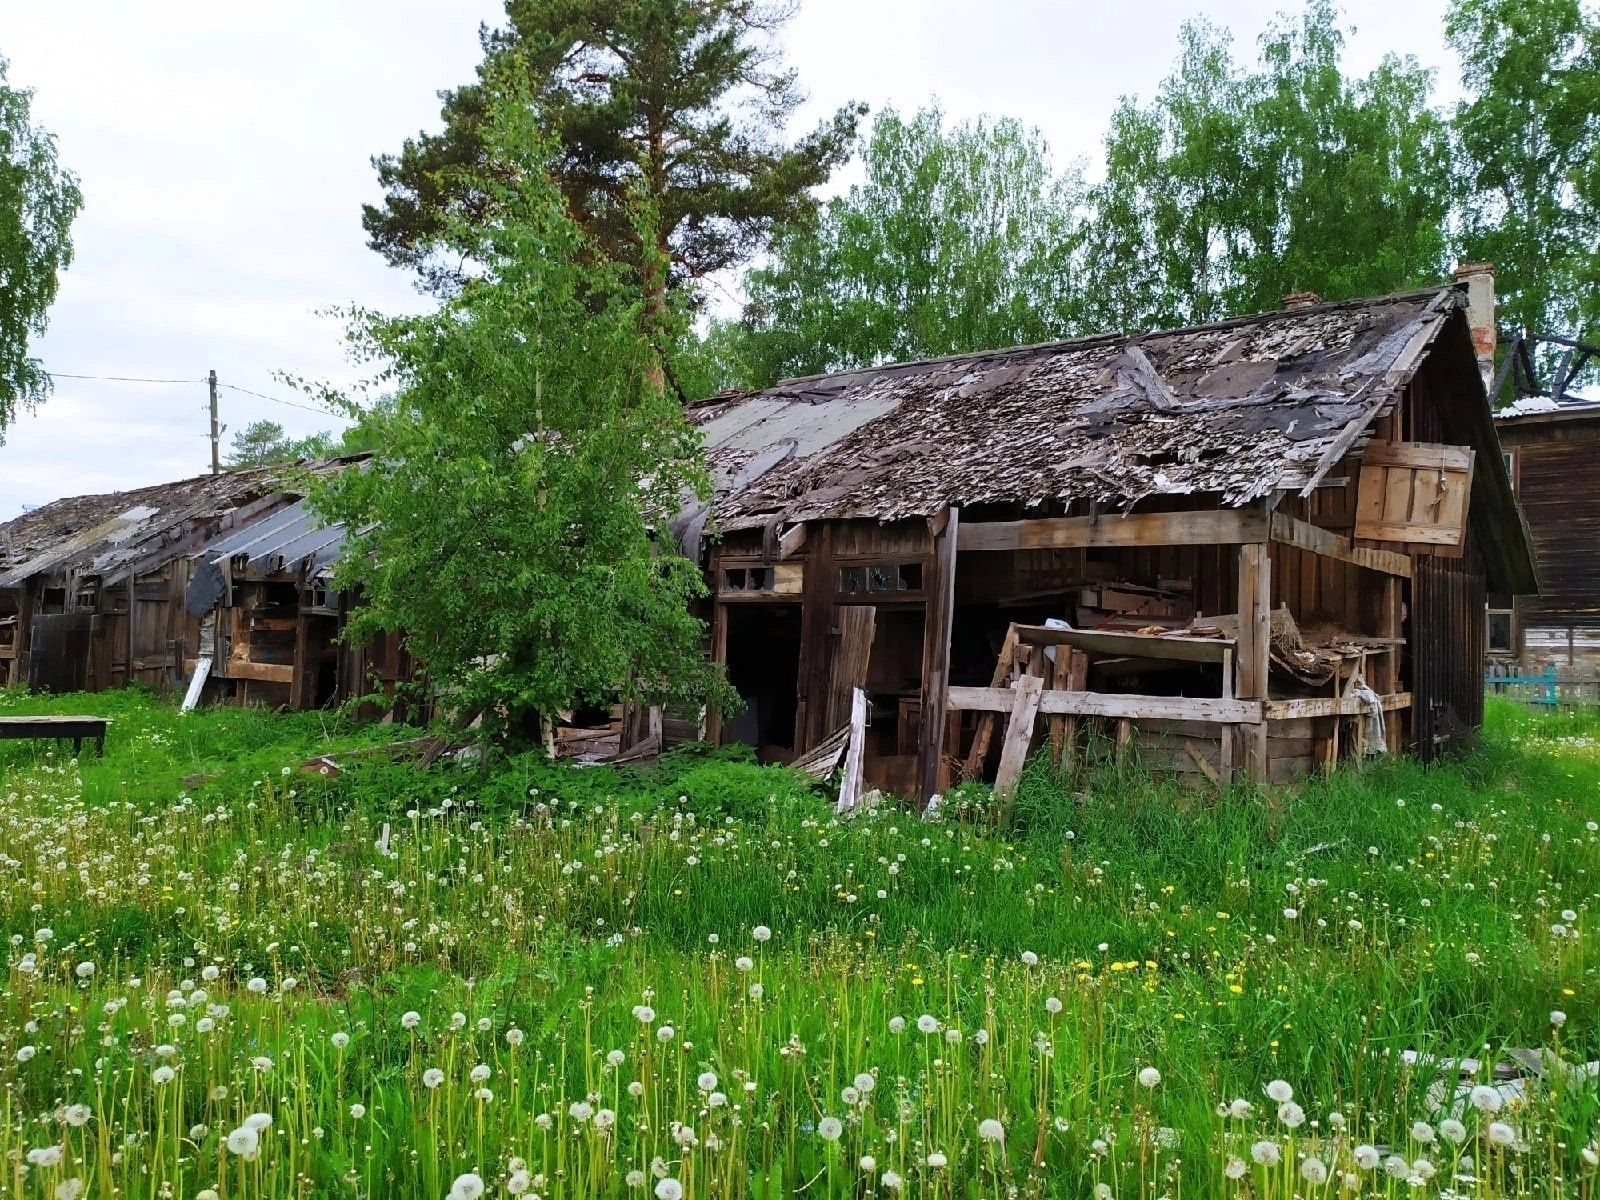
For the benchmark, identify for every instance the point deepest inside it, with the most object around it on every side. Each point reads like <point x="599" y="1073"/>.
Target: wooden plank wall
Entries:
<point x="1447" y="604"/>
<point x="1447" y="652"/>
<point x="1315" y="587"/>
<point x="1561" y="498"/>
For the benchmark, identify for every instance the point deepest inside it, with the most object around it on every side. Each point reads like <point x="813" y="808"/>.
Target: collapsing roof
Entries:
<point x="99" y="534"/>
<point x="1239" y="409"/>
<point x="111" y="535"/>
<point x="292" y="539"/>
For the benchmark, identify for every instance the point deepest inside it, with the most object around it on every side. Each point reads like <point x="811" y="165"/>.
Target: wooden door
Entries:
<point x="852" y="651"/>
<point x="1415" y="493"/>
<point x="59" y="652"/>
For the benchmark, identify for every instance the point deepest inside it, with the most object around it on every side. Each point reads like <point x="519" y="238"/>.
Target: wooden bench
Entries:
<point x="59" y="728"/>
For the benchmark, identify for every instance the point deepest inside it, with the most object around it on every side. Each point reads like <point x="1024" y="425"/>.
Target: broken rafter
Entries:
<point x="1291" y="531"/>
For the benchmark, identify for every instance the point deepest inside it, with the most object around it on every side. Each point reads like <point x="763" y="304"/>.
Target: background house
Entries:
<point x="1551" y="441"/>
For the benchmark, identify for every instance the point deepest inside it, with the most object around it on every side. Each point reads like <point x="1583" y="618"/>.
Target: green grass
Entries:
<point x="1107" y="924"/>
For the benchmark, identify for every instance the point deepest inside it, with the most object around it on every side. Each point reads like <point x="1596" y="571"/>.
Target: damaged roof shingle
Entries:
<point x="1237" y="409"/>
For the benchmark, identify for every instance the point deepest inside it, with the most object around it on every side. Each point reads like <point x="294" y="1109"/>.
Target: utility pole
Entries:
<point x="216" y="431"/>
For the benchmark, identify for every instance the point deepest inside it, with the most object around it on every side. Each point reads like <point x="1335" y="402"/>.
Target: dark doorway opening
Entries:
<point x="763" y="659"/>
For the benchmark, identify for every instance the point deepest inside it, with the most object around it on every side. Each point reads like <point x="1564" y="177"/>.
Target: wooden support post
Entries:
<point x="1077" y="681"/>
<point x="298" y="681"/>
<point x="1124" y="736"/>
<point x="1255" y="646"/>
<point x="1019" y="735"/>
<point x="1059" y="670"/>
<point x="719" y="658"/>
<point x="1387" y="682"/>
<point x="818" y="591"/>
<point x="939" y="617"/>
<point x="973" y="768"/>
<point x="1226" y="739"/>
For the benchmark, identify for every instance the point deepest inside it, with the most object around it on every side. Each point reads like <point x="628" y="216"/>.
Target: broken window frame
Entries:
<point x="901" y="577"/>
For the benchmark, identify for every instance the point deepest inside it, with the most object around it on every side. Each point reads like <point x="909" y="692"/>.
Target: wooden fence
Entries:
<point x="1544" y="684"/>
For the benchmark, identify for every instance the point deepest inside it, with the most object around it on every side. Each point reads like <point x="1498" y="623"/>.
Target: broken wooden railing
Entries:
<point x="1065" y="701"/>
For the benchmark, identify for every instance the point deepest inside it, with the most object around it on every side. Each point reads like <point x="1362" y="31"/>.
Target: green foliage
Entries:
<point x="1529" y="136"/>
<point x="262" y="443"/>
<point x="680" y="100"/>
<point x="1236" y="186"/>
<point x="38" y="201"/>
<point x="528" y="457"/>
<point x="958" y="239"/>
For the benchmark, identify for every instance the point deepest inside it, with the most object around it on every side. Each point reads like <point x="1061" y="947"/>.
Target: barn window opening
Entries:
<point x="1499" y="632"/>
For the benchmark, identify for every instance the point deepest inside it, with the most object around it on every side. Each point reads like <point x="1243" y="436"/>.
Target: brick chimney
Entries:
<point x="1479" y="278"/>
<point x="1301" y="299"/>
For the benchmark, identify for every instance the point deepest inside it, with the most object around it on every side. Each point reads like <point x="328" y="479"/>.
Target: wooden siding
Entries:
<point x="1447" y="653"/>
<point x="1560" y="495"/>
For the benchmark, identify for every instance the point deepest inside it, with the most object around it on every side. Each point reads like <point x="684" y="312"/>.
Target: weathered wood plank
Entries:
<point x="1129" y="645"/>
<point x="1418" y="454"/>
<point x="1293" y="532"/>
<point x="1205" y="768"/>
<point x="1019" y="734"/>
<point x="1324" y="706"/>
<point x="855" y="751"/>
<point x="261" y="672"/>
<point x="1116" y="705"/>
<point x="940" y="616"/>
<point x="792" y="540"/>
<point x="1204" y="527"/>
<point x="1431" y="535"/>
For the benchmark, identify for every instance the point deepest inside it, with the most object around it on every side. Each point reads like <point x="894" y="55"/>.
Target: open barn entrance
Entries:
<point x="763" y="659"/>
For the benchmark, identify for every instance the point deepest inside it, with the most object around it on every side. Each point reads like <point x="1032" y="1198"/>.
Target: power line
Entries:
<point x="230" y="386"/>
<point x="118" y="378"/>
<point x="275" y="399"/>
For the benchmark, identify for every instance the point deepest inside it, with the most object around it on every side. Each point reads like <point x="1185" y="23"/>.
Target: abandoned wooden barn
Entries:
<point x="1225" y="548"/>
<point x="228" y="570"/>
<point x="91" y="587"/>
<point x="271" y="618"/>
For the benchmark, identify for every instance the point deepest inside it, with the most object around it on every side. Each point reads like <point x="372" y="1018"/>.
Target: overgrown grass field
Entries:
<point x="698" y="981"/>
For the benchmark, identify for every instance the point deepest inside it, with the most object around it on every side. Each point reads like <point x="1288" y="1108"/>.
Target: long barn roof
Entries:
<point x="1238" y="409"/>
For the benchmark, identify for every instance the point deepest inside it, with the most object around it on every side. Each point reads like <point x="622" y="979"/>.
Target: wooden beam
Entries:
<point x="1117" y="705"/>
<point x="1129" y="645"/>
<point x="1207" y="527"/>
<point x="239" y="668"/>
<point x="1291" y="531"/>
<point x="984" y="734"/>
<point x="789" y="544"/>
<point x="1255" y="645"/>
<point x="1019" y="734"/>
<point x="1341" y="706"/>
<point x="939" y="616"/>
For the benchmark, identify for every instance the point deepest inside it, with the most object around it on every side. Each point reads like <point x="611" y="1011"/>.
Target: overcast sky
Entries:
<point x="223" y="150"/>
